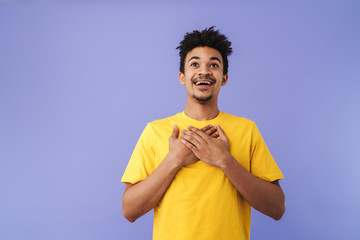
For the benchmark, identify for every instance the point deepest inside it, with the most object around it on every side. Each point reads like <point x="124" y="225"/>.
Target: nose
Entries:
<point x="204" y="71"/>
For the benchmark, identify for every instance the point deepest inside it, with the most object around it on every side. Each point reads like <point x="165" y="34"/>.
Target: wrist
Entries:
<point x="171" y="159"/>
<point x="226" y="162"/>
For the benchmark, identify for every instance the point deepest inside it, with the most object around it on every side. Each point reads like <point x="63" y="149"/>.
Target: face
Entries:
<point x="203" y="74"/>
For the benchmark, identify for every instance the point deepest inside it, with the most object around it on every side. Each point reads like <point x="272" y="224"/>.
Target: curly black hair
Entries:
<point x="209" y="38"/>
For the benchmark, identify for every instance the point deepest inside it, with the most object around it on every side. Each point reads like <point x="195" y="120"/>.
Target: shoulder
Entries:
<point x="163" y="124"/>
<point x="164" y="121"/>
<point x="237" y="121"/>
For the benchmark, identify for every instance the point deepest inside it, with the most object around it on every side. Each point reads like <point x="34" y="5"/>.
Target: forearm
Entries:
<point x="266" y="197"/>
<point x="140" y="198"/>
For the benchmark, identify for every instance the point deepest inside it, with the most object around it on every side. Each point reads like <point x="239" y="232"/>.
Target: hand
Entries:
<point x="183" y="155"/>
<point x="211" y="150"/>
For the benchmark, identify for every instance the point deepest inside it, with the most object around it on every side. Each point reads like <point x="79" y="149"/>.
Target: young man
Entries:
<point x="201" y="170"/>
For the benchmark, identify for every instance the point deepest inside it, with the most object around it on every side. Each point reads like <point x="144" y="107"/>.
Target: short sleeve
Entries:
<point x="262" y="164"/>
<point x="141" y="163"/>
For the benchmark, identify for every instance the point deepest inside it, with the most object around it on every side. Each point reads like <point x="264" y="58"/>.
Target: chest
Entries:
<point x="239" y="140"/>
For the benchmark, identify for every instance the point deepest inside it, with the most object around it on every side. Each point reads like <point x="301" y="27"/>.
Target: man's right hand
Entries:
<point x="141" y="197"/>
<point x="180" y="153"/>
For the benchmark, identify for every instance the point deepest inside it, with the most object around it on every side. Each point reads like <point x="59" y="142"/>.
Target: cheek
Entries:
<point x="188" y="84"/>
<point x="188" y="79"/>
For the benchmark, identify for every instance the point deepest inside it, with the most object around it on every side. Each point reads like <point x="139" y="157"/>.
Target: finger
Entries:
<point x="175" y="132"/>
<point x="206" y="128"/>
<point x="191" y="147"/>
<point x="190" y="137"/>
<point x="221" y="133"/>
<point x="201" y="136"/>
<point x="215" y="134"/>
<point x="196" y="136"/>
<point x="210" y="131"/>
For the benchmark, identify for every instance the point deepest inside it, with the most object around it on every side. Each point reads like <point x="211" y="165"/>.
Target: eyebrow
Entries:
<point x="215" y="58"/>
<point x="212" y="58"/>
<point x="195" y="57"/>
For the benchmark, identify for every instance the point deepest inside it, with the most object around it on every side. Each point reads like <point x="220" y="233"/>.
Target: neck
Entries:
<point x="201" y="111"/>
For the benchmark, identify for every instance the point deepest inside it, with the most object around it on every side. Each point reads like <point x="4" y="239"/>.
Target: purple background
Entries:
<point x="79" y="81"/>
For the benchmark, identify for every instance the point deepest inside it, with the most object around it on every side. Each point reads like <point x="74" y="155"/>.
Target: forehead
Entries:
<point x="204" y="53"/>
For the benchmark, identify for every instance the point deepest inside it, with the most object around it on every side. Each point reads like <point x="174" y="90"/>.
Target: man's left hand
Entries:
<point x="208" y="149"/>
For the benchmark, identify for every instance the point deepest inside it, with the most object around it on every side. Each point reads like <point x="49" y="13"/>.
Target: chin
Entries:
<point x="203" y="100"/>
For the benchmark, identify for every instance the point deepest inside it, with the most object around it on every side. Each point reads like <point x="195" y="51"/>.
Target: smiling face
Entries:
<point x="203" y="74"/>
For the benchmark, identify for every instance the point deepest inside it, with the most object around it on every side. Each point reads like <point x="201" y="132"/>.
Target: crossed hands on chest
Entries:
<point x="195" y="144"/>
<point x="210" y="150"/>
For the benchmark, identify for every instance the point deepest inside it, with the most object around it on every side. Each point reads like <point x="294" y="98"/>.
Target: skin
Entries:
<point x="202" y="61"/>
<point x="202" y="64"/>
<point x="143" y="196"/>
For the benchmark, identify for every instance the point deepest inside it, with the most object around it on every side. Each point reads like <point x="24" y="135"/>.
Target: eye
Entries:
<point x="214" y="65"/>
<point x="194" y="64"/>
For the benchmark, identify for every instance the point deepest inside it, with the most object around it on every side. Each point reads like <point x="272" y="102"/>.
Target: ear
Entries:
<point x="182" y="78"/>
<point x="225" y="78"/>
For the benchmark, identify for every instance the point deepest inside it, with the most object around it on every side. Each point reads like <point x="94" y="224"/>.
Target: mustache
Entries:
<point x="206" y="77"/>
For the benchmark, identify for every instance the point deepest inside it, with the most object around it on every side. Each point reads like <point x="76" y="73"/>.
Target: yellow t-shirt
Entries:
<point x="201" y="203"/>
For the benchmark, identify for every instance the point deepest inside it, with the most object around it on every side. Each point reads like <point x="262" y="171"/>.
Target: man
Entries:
<point x="201" y="170"/>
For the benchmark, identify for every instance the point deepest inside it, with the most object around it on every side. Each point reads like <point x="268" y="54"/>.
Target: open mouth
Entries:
<point x="205" y="83"/>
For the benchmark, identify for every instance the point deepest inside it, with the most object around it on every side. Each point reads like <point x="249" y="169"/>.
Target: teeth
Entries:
<point x="200" y="82"/>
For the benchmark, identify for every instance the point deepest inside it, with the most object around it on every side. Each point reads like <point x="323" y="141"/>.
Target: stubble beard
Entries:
<point x="203" y="100"/>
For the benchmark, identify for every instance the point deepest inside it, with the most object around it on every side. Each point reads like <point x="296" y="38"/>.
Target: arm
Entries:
<point x="143" y="196"/>
<point x="266" y="197"/>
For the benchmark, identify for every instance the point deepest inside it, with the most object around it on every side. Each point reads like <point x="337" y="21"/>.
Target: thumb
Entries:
<point x="175" y="132"/>
<point x="221" y="133"/>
